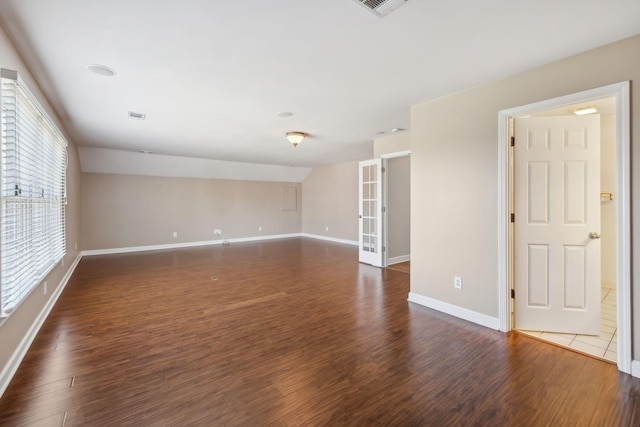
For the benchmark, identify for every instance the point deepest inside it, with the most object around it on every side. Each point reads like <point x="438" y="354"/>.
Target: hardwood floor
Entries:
<point x="290" y="332"/>
<point x="404" y="267"/>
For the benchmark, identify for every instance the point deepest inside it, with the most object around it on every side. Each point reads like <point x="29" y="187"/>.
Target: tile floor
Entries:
<point x="605" y="345"/>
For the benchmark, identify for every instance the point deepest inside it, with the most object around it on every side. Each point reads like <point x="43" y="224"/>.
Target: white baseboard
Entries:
<point x="398" y="259"/>
<point x="454" y="310"/>
<point x="10" y="369"/>
<point x="330" y="239"/>
<point x="185" y="245"/>
<point x="635" y="368"/>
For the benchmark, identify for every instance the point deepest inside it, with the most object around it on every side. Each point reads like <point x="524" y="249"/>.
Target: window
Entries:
<point x="33" y="193"/>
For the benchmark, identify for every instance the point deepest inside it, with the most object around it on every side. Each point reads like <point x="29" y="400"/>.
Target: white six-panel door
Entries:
<point x="557" y="224"/>
<point x="370" y="212"/>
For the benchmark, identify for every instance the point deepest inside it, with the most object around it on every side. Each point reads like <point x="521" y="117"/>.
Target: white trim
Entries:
<point x="454" y="310"/>
<point x="623" y="203"/>
<point x="9" y="370"/>
<point x="185" y="245"/>
<point x="375" y="257"/>
<point x="385" y="207"/>
<point x="635" y="368"/>
<point x="330" y="239"/>
<point x="396" y="154"/>
<point x="210" y="243"/>
<point x="623" y="226"/>
<point x="398" y="259"/>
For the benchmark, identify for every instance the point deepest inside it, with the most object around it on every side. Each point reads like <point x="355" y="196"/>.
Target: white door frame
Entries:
<point x="374" y="258"/>
<point x="385" y="223"/>
<point x="621" y="93"/>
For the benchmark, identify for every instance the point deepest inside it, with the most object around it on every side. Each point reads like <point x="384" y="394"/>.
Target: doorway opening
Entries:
<point x="396" y="195"/>
<point x="384" y="208"/>
<point x="599" y="337"/>
<point x="619" y="93"/>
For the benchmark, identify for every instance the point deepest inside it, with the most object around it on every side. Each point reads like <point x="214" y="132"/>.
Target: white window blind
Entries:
<point x="33" y="185"/>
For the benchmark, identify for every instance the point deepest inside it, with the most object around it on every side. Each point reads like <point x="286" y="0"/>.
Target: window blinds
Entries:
<point x="33" y="193"/>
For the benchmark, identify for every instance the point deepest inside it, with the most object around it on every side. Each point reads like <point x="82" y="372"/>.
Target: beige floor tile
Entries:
<point x="611" y="355"/>
<point x="604" y="345"/>
<point x="588" y="348"/>
<point x="600" y="342"/>
<point x="562" y="339"/>
<point x="603" y="335"/>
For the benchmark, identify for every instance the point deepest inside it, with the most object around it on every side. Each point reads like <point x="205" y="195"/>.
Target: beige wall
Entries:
<point x="398" y="207"/>
<point x="120" y="211"/>
<point x="18" y="324"/>
<point x="395" y="143"/>
<point x="454" y="175"/>
<point x="331" y="200"/>
<point x="608" y="209"/>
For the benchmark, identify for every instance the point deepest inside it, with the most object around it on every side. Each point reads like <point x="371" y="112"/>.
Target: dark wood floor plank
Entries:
<point x="288" y="333"/>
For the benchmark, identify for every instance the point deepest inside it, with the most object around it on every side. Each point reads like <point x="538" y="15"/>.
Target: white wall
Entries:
<point x="123" y="211"/>
<point x="398" y="209"/>
<point x="330" y="202"/>
<point x="454" y="175"/>
<point x="394" y="143"/>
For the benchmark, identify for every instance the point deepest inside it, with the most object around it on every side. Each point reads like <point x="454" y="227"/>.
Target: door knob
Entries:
<point x="593" y="235"/>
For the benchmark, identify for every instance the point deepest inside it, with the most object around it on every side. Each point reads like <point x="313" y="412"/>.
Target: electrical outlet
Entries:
<point x="175" y="234"/>
<point x="75" y="246"/>
<point x="217" y="231"/>
<point x="457" y="282"/>
<point x="260" y="228"/>
<point x="326" y="228"/>
<point x="45" y="288"/>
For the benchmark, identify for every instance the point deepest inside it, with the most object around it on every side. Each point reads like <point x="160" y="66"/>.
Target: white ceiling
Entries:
<point x="212" y="75"/>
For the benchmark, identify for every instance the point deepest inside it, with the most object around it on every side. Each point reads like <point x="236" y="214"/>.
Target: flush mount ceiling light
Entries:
<point x="295" y="137"/>
<point x="101" y="70"/>
<point x="285" y="114"/>
<point x="585" y="110"/>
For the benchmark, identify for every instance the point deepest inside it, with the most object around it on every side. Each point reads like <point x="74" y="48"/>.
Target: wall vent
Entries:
<point x="381" y="8"/>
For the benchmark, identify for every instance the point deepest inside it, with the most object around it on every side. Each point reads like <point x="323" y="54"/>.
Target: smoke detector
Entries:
<point x="381" y="8"/>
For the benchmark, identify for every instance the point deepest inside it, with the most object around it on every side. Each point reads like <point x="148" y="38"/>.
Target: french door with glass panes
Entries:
<point x="370" y="212"/>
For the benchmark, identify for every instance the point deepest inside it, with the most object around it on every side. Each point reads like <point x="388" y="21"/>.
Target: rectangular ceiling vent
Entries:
<point x="137" y="116"/>
<point x="381" y="8"/>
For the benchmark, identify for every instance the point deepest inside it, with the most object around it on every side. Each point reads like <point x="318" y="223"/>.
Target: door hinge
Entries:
<point x="384" y="209"/>
<point x="513" y="217"/>
<point x="384" y="170"/>
<point x="384" y="248"/>
<point x="513" y="141"/>
<point x="513" y="293"/>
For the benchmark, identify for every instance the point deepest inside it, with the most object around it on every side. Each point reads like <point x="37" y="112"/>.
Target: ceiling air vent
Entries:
<point x="381" y="8"/>
<point x="137" y="116"/>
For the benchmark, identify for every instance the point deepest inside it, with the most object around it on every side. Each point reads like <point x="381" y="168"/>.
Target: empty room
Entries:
<point x="348" y="212"/>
